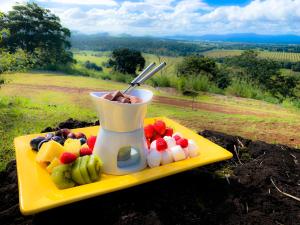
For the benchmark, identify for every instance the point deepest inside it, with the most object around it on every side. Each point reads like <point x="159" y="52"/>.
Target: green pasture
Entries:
<point x="31" y="102"/>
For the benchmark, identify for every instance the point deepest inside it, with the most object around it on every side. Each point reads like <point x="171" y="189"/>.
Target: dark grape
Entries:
<point x="34" y="143"/>
<point x="58" y="133"/>
<point x="82" y="140"/>
<point x="48" y="136"/>
<point x="80" y="135"/>
<point x="58" y="139"/>
<point x="42" y="142"/>
<point x="65" y="132"/>
<point x="71" y="135"/>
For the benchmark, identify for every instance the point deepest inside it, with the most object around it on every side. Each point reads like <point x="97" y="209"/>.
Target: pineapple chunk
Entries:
<point x="54" y="163"/>
<point x="73" y="146"/>
<point x="49" y="151"/>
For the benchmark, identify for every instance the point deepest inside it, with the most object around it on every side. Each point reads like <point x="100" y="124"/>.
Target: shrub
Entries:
<point x="18" y="61"/>
<point x="243" y="88"/>
<point x="197" y="84"/>
<point x="92" y="66"/>
<point x="120" y="77"/>
<point x="160" y="81"/>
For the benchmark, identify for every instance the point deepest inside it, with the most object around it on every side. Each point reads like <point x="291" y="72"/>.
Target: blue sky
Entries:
<point x="175" y="17"/>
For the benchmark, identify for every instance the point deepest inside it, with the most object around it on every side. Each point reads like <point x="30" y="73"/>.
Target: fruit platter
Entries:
<point x="40" y="189"/>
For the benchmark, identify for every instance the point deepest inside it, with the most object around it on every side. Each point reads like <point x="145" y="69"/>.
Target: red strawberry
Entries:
<point x="176" y="137"/>
<point x="149" y="131"/>
<point x="155" y="137"/>
<point x="182" y="142"/>
<point x="148" y="143"/>
<point x="161" y="144"/>
<point x="169" y="132"/>
<point x="85" y="151"/>
<point x="67" y="157"/>
<point x="160" y="127"/>
<point x="91" y="141"/>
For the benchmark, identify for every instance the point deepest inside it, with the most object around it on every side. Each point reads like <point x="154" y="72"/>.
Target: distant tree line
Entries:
<point x="143" y="44"/>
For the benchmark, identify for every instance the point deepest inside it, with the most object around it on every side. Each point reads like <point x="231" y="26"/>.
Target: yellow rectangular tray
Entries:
<point x="37" y="192"/>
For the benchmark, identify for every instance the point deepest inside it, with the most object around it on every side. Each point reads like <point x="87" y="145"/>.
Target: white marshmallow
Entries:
<point x="186" y="152"/>
<point x="166" y="157"/>
<point x="177" y="133"/>
<point x="153" y="146"/>
<point x="170" y="141"/>
<point x="177" y="153"/>
<point x="193" y="148"/>
<point x="154" y="158"/>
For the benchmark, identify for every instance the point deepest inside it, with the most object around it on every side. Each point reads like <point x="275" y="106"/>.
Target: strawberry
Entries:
<point x="155" y="137"/>
<point x="182" y="142"/>
<point x="160" y="127"/>
<point x="149" y="131"/>
<point x="176" y="137"/>
<point x="67" y="157"/>
<point x="85" y="151"/>
<point x="161" y="144"/>
<point x="91" y="142"/>
<point x="148" y="143"/>
<point x="169" y="132"/>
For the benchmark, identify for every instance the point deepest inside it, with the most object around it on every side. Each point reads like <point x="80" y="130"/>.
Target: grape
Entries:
<point x="34" y="143"/>
<point x="58" y="139"/>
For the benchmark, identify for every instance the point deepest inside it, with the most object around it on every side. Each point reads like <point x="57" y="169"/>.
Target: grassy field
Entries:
<point x="31" y="102"/>
<point x="100" y="58"/>
<point x="279" y="56"/>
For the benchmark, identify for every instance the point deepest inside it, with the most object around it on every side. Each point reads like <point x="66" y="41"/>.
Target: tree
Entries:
<point x="92" y="66"/>
<point x="37" y="31"/>
<point x="265" y="73"/>
<point x="199" y="65"/>
<point x="126" y="60"/>
<point x="296" y="67"/>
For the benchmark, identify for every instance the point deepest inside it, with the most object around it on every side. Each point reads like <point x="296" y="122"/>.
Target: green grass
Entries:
<point x="32" y="102"/>
<point x="279" y="56"/>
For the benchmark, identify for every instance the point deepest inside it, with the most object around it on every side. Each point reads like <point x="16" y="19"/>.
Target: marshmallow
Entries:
<point x="192" y="148"/>
<point x="186" y="152"/>
<point x="177" y="133"/>
<point x="166" y="157"/>
<point x="153" y="146"/>
<point x="177" y="153"/>
<point x="170" y="141"/>
<point x="154" y="158"/>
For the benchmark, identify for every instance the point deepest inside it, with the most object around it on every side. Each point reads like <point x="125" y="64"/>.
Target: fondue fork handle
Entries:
<point x="146" y="77"/>
<point x="133" y="82"/>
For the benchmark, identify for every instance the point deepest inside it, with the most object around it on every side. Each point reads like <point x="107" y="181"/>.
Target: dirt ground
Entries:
<point x="239" y="191"/>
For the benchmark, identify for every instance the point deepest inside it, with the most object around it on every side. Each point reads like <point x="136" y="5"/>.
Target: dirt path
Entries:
<point x="210" y="107"/>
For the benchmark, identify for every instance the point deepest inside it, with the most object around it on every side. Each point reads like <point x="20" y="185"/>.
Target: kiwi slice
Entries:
<point x="76" y="175"/>
<point x="61" y="176"/>
<point x="83" y="169"/>
<point x="94" y="166"/>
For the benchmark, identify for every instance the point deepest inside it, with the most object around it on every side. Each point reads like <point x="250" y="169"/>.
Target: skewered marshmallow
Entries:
<point x="153" y="146"/>
<point x="192" y="148"/>
<point x="166" y="157"/>
<point x="170" y="141"/>
<point x="178" y="134"/>
<point x="177" y="153"/>
<point x="154" y="158"/>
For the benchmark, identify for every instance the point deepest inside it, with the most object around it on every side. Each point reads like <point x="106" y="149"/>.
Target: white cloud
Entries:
<point x="83" y="2"/>
<point x="167" y="17"/>
<point x="6" y="5"/>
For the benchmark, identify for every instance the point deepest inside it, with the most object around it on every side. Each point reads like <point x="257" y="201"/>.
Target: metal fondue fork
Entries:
<point x="143" y="76"/>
